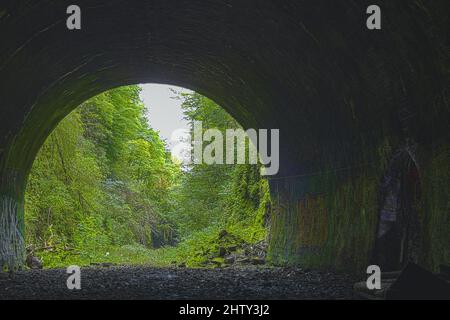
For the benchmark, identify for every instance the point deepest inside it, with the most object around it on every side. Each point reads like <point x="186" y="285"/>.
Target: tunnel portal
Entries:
<point x="344" y="97"/>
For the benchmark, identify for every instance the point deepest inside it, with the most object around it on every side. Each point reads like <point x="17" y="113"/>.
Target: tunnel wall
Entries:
<point x="435" y="208"/>
<point x="329" y="220"/>
<point x="324" y="221"/>
<point x="310" y="68"/>
<point x="12" y="219"/>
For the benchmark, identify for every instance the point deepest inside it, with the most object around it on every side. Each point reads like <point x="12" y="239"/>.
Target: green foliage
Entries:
<point x="105" y="189"/>
<point x="100" y="181"/>
<point x="211" y="199"/>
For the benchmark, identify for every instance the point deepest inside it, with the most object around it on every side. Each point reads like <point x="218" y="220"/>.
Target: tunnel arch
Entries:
<point x="310" y="69"/>
<point x="113" y="177"/>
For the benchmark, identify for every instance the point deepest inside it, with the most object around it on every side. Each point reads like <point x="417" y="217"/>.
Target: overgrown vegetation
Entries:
<point x="104" y="189"/>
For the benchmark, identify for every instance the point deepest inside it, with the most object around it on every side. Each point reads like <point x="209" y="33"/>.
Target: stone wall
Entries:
<point x="329" y="220"/>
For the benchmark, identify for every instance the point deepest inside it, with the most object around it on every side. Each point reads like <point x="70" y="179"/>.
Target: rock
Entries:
<point x="108" y="264"/>
<point x="415" y="283"/>
<point x="34" y="262"/>
<point x="258" y="261"/>
<point x="223" y="234"/>
<point x="362" y="292"/>
<point x="230" y="259"/>
<point x="222" y="252"/>
<point x="103" y="264"/>
<point x="244" y="260"/>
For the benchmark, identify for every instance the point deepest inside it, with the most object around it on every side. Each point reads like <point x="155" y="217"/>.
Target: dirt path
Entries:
<point x="151" y="283"/>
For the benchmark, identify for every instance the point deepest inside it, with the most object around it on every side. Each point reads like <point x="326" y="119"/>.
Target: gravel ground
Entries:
<point x="173" y="284"/>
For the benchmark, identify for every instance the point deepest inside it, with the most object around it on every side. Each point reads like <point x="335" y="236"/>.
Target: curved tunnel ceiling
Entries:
<point x="309" y="68"/>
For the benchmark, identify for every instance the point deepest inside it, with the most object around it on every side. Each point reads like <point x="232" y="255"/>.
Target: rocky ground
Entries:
<point x="228" y="250"/>
<point x="253" y="282"/>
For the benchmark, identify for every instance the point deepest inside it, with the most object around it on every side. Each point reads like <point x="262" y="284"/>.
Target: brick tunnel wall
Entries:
<point x="329" y="219"/>
<point x="309" y="68"/>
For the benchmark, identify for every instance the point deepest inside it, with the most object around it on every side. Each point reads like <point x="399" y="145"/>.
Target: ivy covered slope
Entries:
<point x="221" y="209"/>
<point x="104" y="188"/>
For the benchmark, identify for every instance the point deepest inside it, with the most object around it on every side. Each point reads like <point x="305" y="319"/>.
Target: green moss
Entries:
<point x="330" y="222"/>
<point x="334" y="228"/>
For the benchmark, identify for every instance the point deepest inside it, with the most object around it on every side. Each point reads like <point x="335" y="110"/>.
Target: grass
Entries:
<point x="118" y="255"/>
<point x="194" y="252"/>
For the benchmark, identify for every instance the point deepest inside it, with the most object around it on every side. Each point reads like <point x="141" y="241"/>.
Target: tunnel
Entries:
<point x="347" y="100"/>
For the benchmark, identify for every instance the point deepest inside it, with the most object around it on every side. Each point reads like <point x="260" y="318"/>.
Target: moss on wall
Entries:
<point x="329" y="227"/>
<point x="12" y="244"/>
<point x="329" y="220"/>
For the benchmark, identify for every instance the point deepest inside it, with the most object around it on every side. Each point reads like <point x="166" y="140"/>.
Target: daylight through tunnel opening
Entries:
<point x="106" y="187"/>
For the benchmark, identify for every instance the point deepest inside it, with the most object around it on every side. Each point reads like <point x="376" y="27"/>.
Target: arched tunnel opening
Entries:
<point x="345" y="98"/>
<point x="112" y="186"/>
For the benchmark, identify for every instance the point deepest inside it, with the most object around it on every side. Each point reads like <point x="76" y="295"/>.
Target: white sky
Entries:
<point x="165" y="114"/>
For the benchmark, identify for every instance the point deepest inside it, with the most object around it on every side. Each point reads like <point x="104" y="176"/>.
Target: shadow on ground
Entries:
<point x="173" y="284"/>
